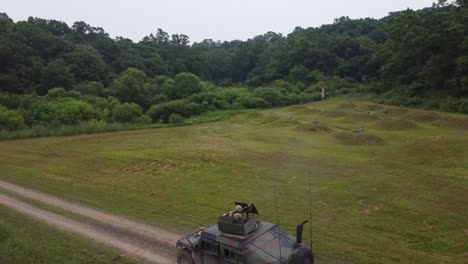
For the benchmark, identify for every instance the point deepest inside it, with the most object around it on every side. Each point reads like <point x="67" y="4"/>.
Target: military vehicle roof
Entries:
<point x="213" y="233"/>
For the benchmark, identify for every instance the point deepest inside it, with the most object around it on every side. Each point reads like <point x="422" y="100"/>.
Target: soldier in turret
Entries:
<point x="237" y="214"/>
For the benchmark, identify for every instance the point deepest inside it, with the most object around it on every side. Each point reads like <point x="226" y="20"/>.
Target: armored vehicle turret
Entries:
<point x="239" y="238"/>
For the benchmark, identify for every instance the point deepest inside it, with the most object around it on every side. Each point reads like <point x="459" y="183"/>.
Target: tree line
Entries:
<point x="49" y="70"/>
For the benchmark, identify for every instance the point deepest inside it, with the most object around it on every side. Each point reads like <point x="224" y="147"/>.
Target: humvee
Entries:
<point x="243" y="241"/>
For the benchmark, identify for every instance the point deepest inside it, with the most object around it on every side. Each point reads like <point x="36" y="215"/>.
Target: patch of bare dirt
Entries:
<point x="423" y="117"/>
<point x="314" y="127"/>
<point x="395" y="111"/>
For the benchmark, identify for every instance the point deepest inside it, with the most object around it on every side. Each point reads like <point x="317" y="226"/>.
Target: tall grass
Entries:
<point x="89" y="127"/>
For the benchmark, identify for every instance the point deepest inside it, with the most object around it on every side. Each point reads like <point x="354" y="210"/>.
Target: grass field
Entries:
<point x="390" y="185"/>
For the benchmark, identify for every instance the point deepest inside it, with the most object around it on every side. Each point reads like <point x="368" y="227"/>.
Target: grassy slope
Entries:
<point x="24" y="240"/>
<point x="401" y="198"/>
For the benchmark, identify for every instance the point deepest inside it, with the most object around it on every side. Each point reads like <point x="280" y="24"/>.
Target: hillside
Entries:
<point x="412" y="58"/>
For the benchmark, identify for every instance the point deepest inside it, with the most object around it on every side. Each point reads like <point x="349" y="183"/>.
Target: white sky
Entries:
<point x="200" y="19"/>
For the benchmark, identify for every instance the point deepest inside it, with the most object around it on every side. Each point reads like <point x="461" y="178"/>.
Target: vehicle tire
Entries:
<point x="304" y="256"/>
<point x="184" y="257"/>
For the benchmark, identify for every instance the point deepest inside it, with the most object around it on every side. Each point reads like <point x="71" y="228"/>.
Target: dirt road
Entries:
<point x="161" y="235"/>
<point x="106" y="232"/>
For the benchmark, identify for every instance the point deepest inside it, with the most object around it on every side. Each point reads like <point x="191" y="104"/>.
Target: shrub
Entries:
<point x="11" y="119"/>
<point x="56" y="92"/>
<point x="66" y="111"/>
<point x="186" y="84"/>
<point x="176" y="119"/>
<point x="144" y="119"/>
<point x="127" y="112"/>
<point x="463" y="106"/>
<point x="450" y="104"/>
<point x="251" y="102"/>
<point x="162" y="112"/>
<point x="270" y="95"/>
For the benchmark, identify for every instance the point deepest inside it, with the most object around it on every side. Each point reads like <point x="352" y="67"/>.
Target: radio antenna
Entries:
<point x="310" y="208"/>
<point x="277" y="221"/>
<point x="276" y="206"/>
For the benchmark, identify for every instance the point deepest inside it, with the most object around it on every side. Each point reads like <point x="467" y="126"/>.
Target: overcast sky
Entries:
<point x="200" y="19"/>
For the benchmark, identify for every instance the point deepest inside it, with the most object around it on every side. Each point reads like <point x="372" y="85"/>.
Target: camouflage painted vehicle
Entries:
<point x="247" y="241"/>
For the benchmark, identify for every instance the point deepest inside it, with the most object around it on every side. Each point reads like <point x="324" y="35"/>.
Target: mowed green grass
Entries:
<point x="397" y="193"/>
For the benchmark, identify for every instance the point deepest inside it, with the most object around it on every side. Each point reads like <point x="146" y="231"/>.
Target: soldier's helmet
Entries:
<point x="238" y="217"/>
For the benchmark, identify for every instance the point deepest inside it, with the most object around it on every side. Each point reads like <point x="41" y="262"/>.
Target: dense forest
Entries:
<point x="52" y="74"/>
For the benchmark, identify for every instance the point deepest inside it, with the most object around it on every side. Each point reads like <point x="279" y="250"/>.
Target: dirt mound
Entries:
<point x="314" y="128"/>
<point x="346" y="106"/>
<point x="352" y="138"/>
<point x="334" y="113"/>
<point x="395" y="111"/>
<point x="423" y="117"/>
<point x="396" y="124"/>
<point x="364" y="117"/>
<point x="453" y="122"/>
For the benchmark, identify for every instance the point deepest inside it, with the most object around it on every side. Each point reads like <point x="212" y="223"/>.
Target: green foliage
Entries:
<point x="271" y="95"/>
<point x="127" y="113"/>
<point x="300" y="74"/>
<point x="66" y="111"/>
<point x="11" y="119"/>
<point x="176" y="119"/>
<point x="249" y="101"/>
<point x="86" y="64"/>
<point x="90" y="88"/>
<point x="130" y="87"/>
<point x="451" y="104"/>
<point x="184" y="85"/>
<point x="56" y="74"/>
<point x="162" y="112"/>
<point x="413" y="58"/>
<point x="143" y="119"/>
<point x="56" y="92"/>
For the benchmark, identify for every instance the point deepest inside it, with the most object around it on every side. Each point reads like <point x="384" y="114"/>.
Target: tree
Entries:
<point x="299" y="74"/>
<point x="86" y="64"/>
<point x="126" y="113"/>
<point x="90" y="88"/>
<point x="184" y="85"/>
<point x="130" y="87"/>
<point x="56" y="74"/>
